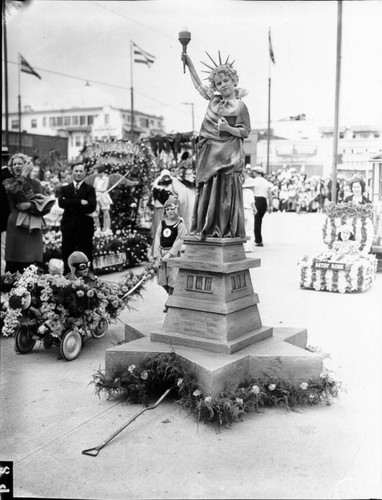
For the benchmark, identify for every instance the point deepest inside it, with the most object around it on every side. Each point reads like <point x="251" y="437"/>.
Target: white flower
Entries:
<point x="304" y="386"/>
<point x="272" y="387"/>
<point x="239" y="401"/>
<point x="144" y="375"/>
<point x="197" y="393"/>
<point x="42" y="329"/>
<point x="131" y="368"/>
<point x="179" y="382"/>
<point x="255" y="389"/>
<point x="207" y="399"/>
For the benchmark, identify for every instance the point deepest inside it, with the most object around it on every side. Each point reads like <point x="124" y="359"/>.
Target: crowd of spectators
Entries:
<point x="295" y="192"/>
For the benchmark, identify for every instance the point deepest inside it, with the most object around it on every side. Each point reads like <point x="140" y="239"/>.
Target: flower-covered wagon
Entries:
<point x="346" y="265"/>
<point x="63" y="312"/>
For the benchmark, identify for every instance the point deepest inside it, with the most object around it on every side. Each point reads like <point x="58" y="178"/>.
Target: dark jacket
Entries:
<point x="70" y="201"/>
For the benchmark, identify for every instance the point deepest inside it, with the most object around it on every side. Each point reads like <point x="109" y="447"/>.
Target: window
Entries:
<point x="144" y="122"/>
<point x="78" y="140"/>
<point x="75" y="120"/>
<point x="238" y="282"/>
<point x="106" y="119"/>
<point x="15" y="124"/>
<point x="199" y="283"/>
<point x="90" y="119"/>
<point x="66" y="120"/>
<point x="59" y="121"/>
<point x="82" y="120"/>
<point x="34" y="123"/>
<point x="44" y="121"/>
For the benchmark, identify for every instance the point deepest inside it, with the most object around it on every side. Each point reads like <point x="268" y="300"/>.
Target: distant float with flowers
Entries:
<point x="346" y="265"/>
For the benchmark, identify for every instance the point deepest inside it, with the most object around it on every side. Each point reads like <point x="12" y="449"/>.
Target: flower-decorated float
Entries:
<point x="346" y="265"/>
<point x="131" y="168"/>
<point x="63" y="312"/>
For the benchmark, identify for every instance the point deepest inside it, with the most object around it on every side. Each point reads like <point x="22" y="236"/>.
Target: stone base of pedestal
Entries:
<point x="281" y="356"/>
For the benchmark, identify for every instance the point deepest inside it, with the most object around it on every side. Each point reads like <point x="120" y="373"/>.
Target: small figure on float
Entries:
<point x="218" y="209"/>
<point x="104" y="201"/>
<point x="345" y="247"/>
<point x="79" y="266"/>
<point x="168" y="243"/>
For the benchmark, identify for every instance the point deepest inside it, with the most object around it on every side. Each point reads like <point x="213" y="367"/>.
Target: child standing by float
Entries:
<point x="168" y="242"/>
<point x="104" y="201"/>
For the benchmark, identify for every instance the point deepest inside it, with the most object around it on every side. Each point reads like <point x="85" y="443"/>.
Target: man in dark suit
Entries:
<point x="78" y="199"/>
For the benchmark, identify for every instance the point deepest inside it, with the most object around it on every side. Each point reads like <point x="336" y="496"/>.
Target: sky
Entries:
<point x="90" y="41"/>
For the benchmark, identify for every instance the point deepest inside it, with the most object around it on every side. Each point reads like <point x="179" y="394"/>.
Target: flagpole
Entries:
<point x="337" y="101"/>
<point x="19" y="103"/>
<point x="131" y="91"/>
<point x="269" y="107"/>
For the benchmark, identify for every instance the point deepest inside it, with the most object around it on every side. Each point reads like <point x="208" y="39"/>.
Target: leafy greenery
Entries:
<point x="157" y="373"/>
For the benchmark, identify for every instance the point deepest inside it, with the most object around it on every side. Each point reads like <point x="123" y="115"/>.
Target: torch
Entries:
<point x="184" y="37"/>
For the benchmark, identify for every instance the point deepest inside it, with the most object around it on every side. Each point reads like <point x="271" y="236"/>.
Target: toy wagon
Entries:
<point x="70" y="341"/>
<point x="62" y="312"/>
<point x="346" y="265"/>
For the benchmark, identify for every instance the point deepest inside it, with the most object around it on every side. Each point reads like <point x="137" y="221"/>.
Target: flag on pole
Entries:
<point x="27" y="68"/>
<point x="271" y="54"/>
<point x="141" y="56"/>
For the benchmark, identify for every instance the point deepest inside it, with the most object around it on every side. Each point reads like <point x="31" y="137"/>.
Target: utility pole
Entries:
<point x="337" y="101"/>
<point x="5" y="76"/>
<point x="131" y="92"/>
<point x="192" y="113"/>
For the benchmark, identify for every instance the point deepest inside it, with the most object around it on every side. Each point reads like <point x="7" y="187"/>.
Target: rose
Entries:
<point x="144" y="375"/>
<point x="255" y="389"/>
<point x="80" y="293"/>
<point x="90" y="293"/>
<point x="179" y="382"/>
<point x="197" y="393"/>
<point x="272" y="387"/>
<point x="239" y="401"/>
<point x="304" y="386"/>
<point x="208" y="399"/>
<point x="131" y="369"/>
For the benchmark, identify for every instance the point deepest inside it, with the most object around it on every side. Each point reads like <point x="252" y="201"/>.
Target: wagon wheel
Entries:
<point x="101" y="329"/>
<point x="24" y="342"/>
<point x="71" y="344"/>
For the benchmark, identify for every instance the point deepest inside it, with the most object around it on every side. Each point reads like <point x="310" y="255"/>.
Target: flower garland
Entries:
<point x="57" y="304"/>
<point x="120" y="156"/>
<point x="157" y="373"/>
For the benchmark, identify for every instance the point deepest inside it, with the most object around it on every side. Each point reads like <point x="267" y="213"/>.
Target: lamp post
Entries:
<point x="192" y="111"/>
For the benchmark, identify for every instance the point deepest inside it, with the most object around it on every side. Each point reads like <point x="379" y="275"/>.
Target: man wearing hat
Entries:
<point x="263" y="201"/>
<point x="78" y="199"/>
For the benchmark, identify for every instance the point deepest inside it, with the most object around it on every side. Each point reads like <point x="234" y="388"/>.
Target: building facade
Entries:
<point x="80" y="125"/>
<point x="310" y="150"/>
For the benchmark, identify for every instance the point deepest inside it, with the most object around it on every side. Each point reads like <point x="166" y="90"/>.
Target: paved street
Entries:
<point x="50" y="413"/>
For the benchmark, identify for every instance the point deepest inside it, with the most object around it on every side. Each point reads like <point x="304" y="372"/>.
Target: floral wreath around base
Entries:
<point x="157" y="373"/>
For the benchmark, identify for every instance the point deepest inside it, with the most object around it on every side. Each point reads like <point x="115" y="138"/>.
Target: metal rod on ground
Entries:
<point x="93" y="452"/>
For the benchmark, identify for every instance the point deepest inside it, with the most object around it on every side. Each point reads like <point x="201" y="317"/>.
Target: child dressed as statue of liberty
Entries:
<point x="218" y="209"/>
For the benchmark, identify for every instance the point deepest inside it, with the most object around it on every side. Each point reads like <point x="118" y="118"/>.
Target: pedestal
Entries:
<point x="213" y="324"/>
<point x="213" y="306"/>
